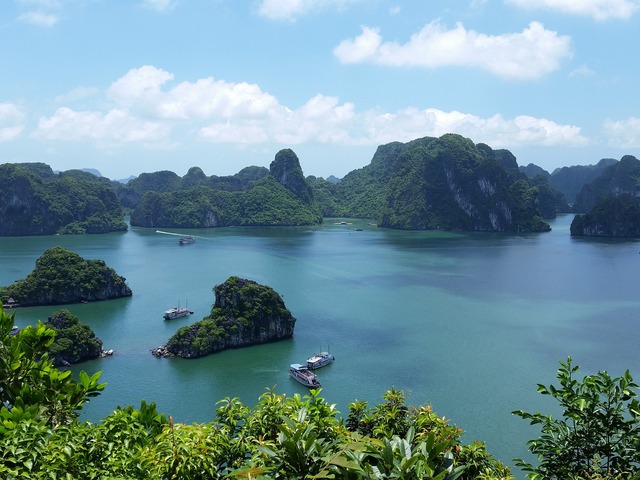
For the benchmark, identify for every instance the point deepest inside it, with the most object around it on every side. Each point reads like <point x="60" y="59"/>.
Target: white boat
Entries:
<point x="186" y="240"/>
<point x="176" y="312"/>
<point x="303" y="375"/>
<point x="319" y="360"/>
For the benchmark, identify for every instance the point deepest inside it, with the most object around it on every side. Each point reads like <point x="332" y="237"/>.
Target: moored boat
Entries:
<point x="319" y="360"/>
<point x="303" y="375"/>
<point x="176" y="312"/>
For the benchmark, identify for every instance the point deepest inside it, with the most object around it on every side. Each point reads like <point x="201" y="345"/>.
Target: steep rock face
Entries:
<point x="451" y="184"/>
<point x="244" y="313"/>
<point x="62" y="277"/>
<point x="34" y="201"/>
<point x="286" y="169"/>
<point x="612" y="217"/>
<point x="621" y="177"/>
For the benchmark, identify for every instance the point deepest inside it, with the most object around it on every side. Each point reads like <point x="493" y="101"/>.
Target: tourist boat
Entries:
<point x="186" y="240"/>
<point x="319" y="360"/>
<point x="303" y="375"/>
<point x="176" y="312"/>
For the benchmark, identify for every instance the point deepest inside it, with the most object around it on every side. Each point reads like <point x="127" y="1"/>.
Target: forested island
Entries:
<point x="445" y="183"/>
<point x="62" y="277"/>
<point x="244" y="313"/>
<point x="74" y="341"/>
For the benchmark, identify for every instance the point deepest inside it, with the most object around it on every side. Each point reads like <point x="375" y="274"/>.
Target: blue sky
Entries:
<point x="132" y="86"/>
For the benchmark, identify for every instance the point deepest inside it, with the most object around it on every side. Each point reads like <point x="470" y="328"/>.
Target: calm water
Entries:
<point x="469" y="323"/>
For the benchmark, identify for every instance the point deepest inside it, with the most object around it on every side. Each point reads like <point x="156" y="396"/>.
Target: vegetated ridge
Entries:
<point x="36" y="201"/>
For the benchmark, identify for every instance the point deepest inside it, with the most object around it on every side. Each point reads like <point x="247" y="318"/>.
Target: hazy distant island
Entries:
<point x="63" y="277"/>
<point x="611" y="202"/>
<point x="244" y="313"/>
<point x="445" y="183"/>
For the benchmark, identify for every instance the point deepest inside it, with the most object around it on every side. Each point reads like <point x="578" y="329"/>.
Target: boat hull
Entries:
<point x="318" y="361"/>
<point x="304" y="376"/>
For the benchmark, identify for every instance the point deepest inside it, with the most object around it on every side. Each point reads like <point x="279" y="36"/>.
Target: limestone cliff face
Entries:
<point x="286" y="169"/>
<point x="449" y="183"/>
<point x="612" y="217"/>
<point x="244" y="313"/>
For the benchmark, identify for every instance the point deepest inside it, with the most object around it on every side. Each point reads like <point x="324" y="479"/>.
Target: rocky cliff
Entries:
<point x="244" y="313"/>
<point x="449" y="183"/>
<point x="75" y="342"/>
<point x="35" y="201"/>
<point x="62" y="277"/>
<point x="611" y="217"/>
<point x="286" y="169"/>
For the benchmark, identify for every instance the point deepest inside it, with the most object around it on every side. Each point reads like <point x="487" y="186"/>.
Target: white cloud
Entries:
<point x="11" y="121"/>
<point x="114" y="126"/>
<point x="293" y="9"/>
<point x="623" y="133"/>
<point x="149" y="109"/>
<point x="495" y="131"/>
<point x="529" y="54"/>
<point x="39" y="18"/>
<point x="159" y="5"/>
<point x="141" y="90"/>
<point x="598" y="9"/>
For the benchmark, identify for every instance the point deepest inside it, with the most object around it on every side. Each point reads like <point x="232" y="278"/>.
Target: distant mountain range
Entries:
<point x="446" y="183"/>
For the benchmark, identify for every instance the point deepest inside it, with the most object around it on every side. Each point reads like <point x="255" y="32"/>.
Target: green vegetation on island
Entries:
<point x="284" y="437"/>
<point x="279" y="197"/>
<point x="75" y="342"/>
<point x="446" y="183"/>
<point x="62" y="277"/>
<point x="244" y="313"/>
<point x="614" y="216"/>
<point x="36" y="201"/>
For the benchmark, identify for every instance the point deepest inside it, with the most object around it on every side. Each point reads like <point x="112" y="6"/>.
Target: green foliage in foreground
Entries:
<point x="599" y="434"/>
<point x="291" y="437"/>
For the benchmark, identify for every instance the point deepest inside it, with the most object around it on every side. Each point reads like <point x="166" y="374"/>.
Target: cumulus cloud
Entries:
<point x="113" y="126"/>
<point x="529" y="54"/>
<point x="623" y="133"/>
<point x="141" y="90"/>
<point x="11" y="121"/>
<point x="598" y="9"/>
<point x="293" y="9"/>
<point x="148" y="107"/>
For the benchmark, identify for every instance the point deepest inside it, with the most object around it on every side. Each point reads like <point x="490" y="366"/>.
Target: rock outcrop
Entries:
<point x="75" y="342"/>
<point x="63" y="277"/>
<point x="244" y="313"/>
<point x="286" y="169"/>
<point x="612" y="217"/>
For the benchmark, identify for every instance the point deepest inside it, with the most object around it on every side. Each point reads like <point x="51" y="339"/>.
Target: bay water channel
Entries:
<point x="469" y="323"/>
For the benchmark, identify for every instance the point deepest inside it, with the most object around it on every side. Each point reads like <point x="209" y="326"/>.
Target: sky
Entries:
<point x="133" y="86"/>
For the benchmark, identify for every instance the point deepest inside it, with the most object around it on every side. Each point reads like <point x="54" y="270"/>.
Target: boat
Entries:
<point x="186" y="240"/>
<point x="176" y="312"/>
<point x="303" y="375"/>
<point x="319" y="360"/>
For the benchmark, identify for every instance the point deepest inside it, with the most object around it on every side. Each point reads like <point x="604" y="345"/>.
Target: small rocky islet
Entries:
<point x="244" y="313"/>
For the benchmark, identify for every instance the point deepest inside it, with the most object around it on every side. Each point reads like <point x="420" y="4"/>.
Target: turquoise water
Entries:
<point x="468" y="323"/>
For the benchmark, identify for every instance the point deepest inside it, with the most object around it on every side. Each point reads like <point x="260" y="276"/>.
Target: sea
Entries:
<point x="468" y="323"/>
